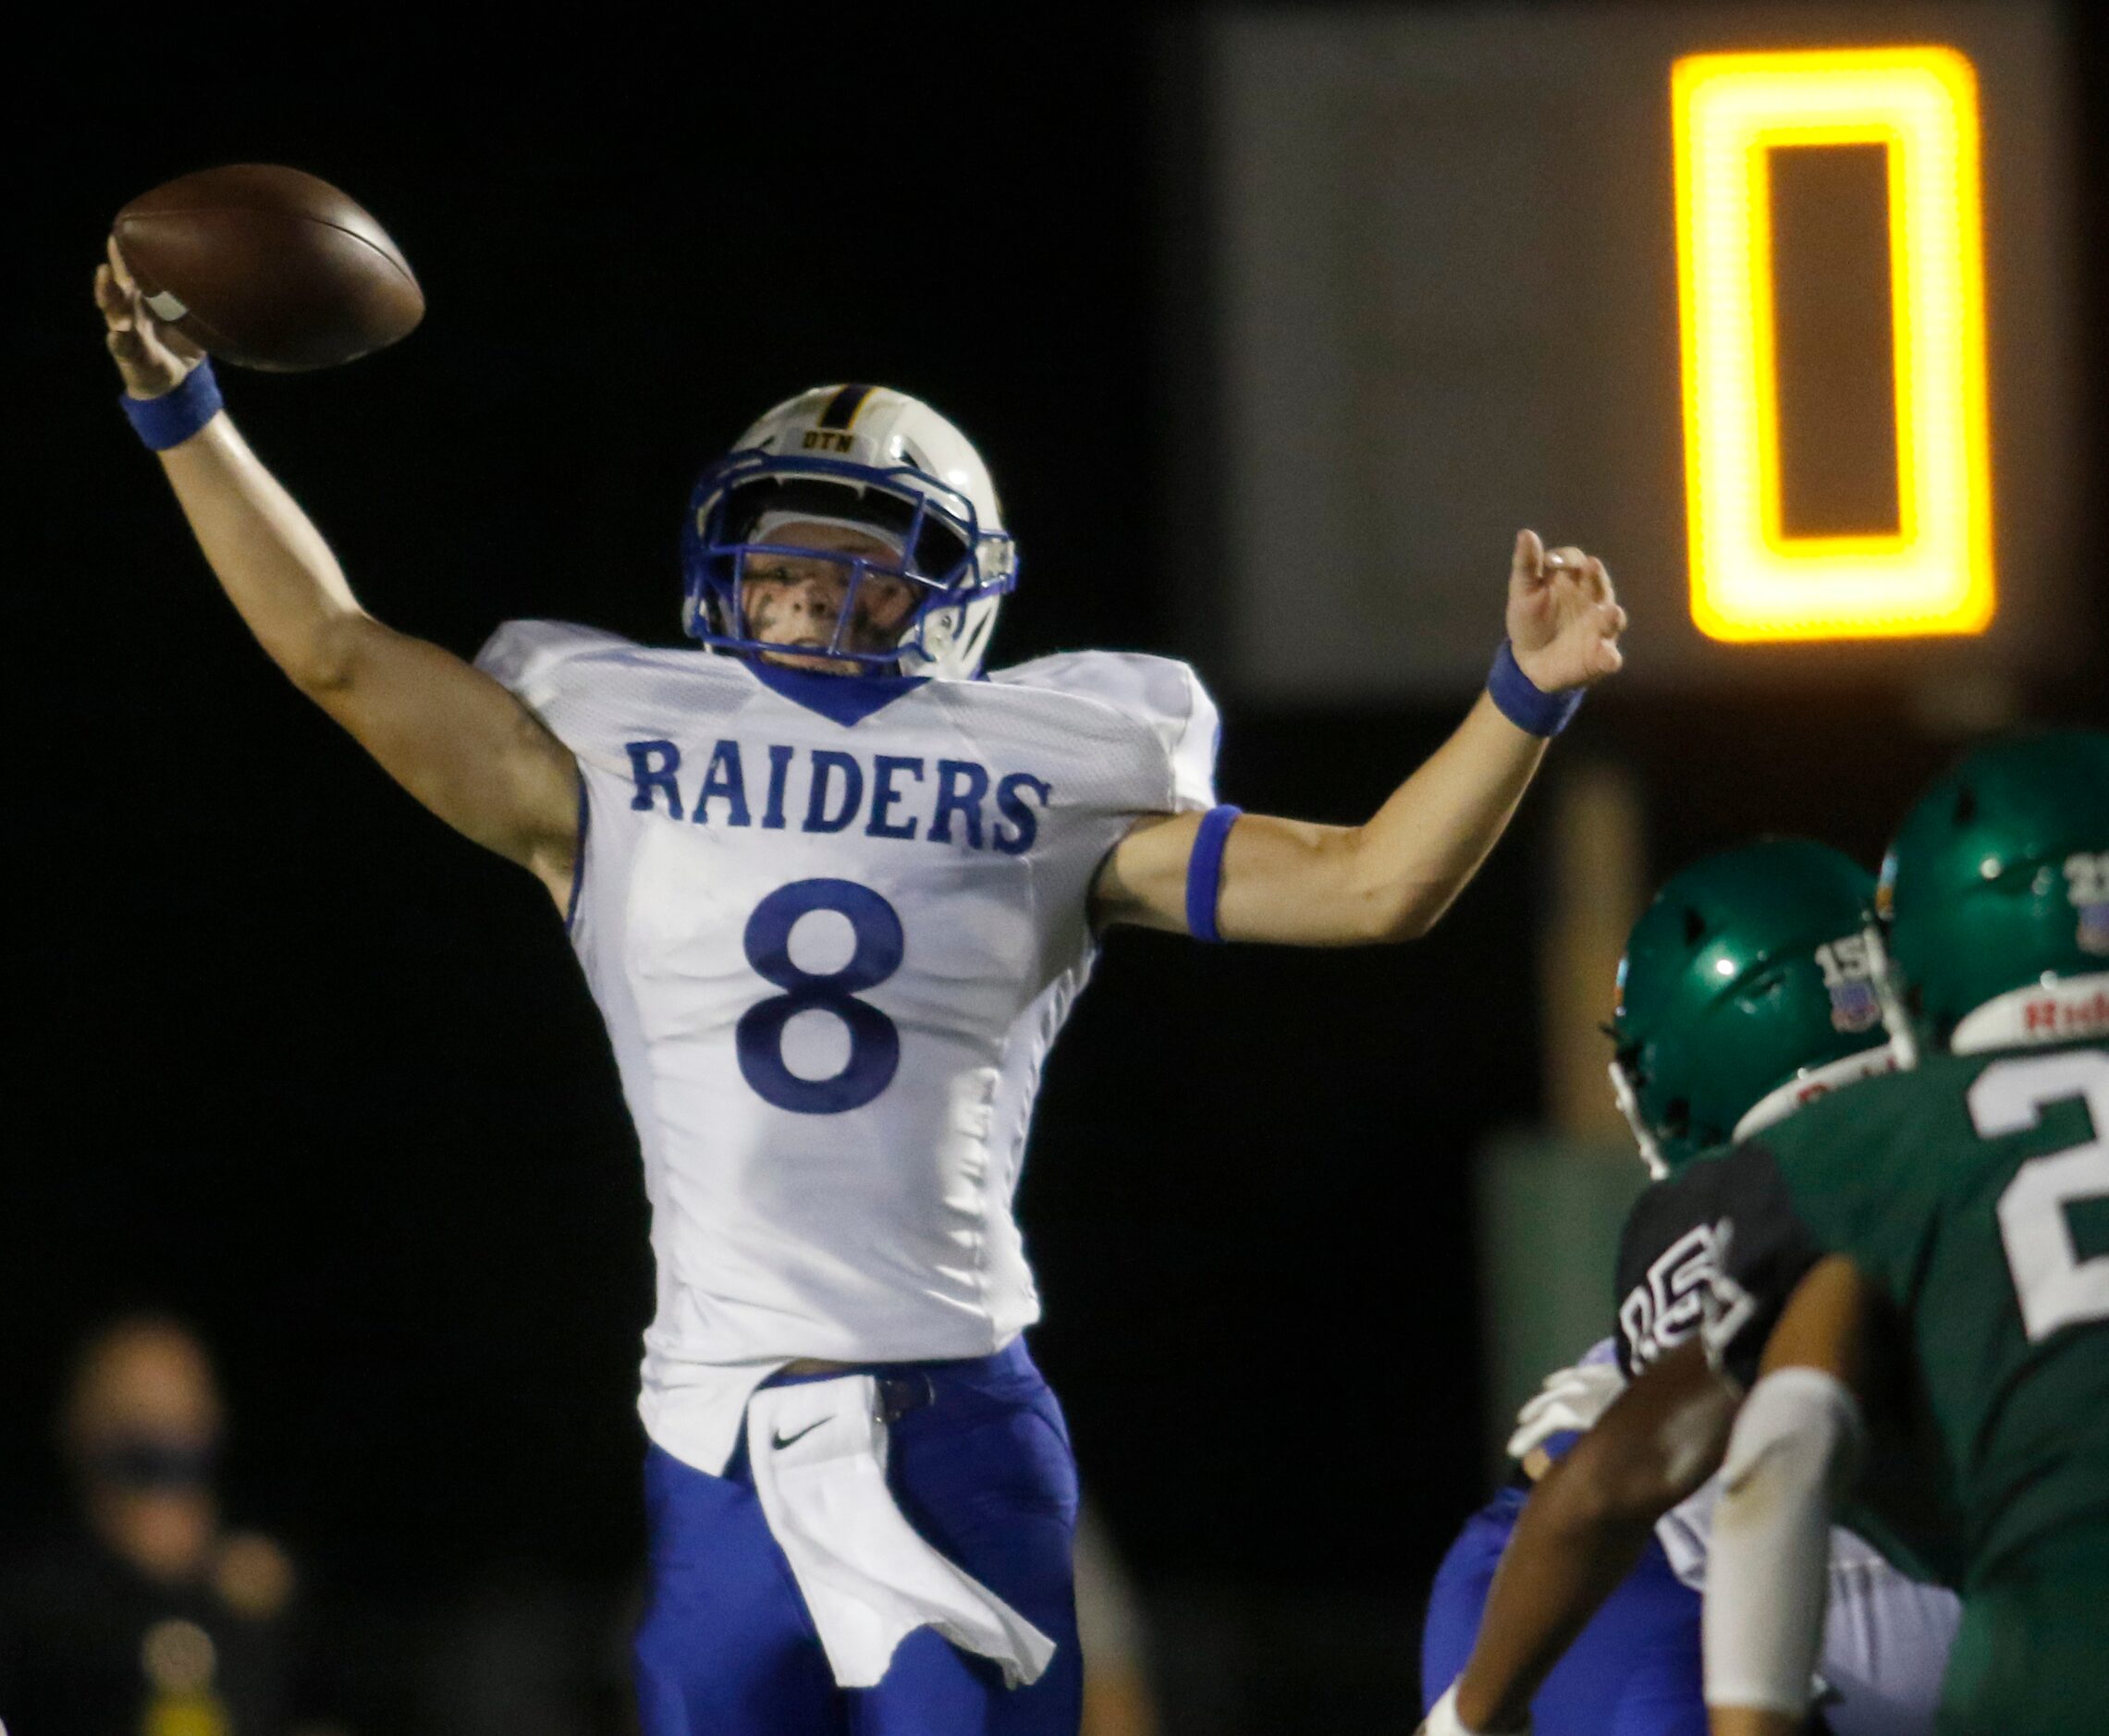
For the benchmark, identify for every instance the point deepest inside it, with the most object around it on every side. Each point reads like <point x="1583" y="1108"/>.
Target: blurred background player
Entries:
<point x="150" y="1617"/>
<point x="834" y="897"/>
<point x="1747" y="991"/>
<point x="1945" y="1367"/>
<point x="1113" y="1635"/>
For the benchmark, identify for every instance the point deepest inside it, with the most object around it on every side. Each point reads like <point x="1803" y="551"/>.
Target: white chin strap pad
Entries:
<point x="1795" y="1450"/>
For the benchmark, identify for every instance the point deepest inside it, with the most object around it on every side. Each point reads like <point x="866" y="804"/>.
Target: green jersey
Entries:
<point x="1974" y="1191"/>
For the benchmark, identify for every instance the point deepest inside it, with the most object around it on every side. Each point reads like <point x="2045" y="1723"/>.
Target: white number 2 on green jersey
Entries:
<point x="2056" y="1286"/>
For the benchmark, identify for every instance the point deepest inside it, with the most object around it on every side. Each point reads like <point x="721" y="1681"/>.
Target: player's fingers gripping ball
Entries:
<point x="152" y="358"/>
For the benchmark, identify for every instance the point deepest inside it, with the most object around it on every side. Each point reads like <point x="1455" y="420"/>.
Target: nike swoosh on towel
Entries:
<point x="781" y="1441"/>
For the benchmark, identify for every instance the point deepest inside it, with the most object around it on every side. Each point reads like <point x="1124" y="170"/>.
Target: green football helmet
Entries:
<point x="1996" y="895"/>
<point x="1748" y="987"/>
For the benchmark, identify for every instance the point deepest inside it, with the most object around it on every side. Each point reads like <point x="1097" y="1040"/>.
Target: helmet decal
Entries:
<point x="2087" y="881"/>
<point x="1848" y="974"/>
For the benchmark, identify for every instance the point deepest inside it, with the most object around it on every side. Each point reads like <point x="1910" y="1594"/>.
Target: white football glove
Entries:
<point x="1443" y="1719"/>
<point x="1570" y="1399"/>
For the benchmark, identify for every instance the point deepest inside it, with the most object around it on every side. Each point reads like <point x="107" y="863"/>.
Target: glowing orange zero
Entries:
<point x="1931" y="573"/>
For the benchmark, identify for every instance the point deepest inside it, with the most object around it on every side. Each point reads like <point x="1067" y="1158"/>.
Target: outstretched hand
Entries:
<point x="154" y="356"/>
<point x="1563" y="621"/>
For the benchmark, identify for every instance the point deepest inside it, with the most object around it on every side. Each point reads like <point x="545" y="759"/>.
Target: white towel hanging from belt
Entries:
<point x="817" y="1449"/>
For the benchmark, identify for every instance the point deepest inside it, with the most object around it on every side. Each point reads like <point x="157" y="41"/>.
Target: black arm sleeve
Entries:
<point x="1718" y="1248"/>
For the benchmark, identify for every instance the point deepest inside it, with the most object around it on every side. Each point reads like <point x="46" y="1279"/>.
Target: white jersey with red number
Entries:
<point x="833" y="923"/>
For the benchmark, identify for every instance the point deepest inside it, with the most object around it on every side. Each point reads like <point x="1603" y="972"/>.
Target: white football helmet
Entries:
<point x="881" y="461"/>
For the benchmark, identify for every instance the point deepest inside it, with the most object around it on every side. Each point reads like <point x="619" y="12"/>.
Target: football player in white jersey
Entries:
<point x="834" y="888"/>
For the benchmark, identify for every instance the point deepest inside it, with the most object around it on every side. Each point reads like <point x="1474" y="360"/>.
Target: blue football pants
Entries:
<point x="1635" y="1671"/>
<point x="980" y="1466"/>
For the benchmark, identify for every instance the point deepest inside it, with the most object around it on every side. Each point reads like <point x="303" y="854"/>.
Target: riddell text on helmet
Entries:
<point x="2048" y="1017"/>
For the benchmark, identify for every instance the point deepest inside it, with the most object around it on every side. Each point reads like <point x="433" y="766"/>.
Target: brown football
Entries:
<point x="268" y="267"/>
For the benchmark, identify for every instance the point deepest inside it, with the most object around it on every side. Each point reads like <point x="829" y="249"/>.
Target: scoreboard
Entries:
<point x="1774" y="307"/>
<point x="1927" y="568"/>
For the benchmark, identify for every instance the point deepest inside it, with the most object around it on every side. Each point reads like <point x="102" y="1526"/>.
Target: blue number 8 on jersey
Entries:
<point x="875" y="1042"/>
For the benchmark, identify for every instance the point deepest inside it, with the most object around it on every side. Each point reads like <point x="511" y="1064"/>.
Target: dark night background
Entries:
<point x="298" y="1063"/>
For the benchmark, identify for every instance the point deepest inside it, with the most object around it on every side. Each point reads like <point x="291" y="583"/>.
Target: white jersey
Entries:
<point x="833" y="924"/>
<point x="1886" y="1636"/>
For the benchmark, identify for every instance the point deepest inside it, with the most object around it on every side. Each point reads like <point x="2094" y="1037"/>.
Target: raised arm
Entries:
<point x="452" y="737"/>
<point x="1301" y="884"/>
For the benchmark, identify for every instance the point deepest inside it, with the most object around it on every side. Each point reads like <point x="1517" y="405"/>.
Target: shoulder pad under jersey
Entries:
<point x="1162" y="692"/>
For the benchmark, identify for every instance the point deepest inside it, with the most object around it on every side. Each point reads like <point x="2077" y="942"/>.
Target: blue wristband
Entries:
<point x="1523" y="701"/>
<point x="174" y="417"/>
<point x="1205" y="871"/>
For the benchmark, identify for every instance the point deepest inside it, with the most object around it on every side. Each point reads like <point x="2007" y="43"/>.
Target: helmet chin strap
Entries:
<point x="1628" y="1101"/>
<point x="1896" y="1015"/>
